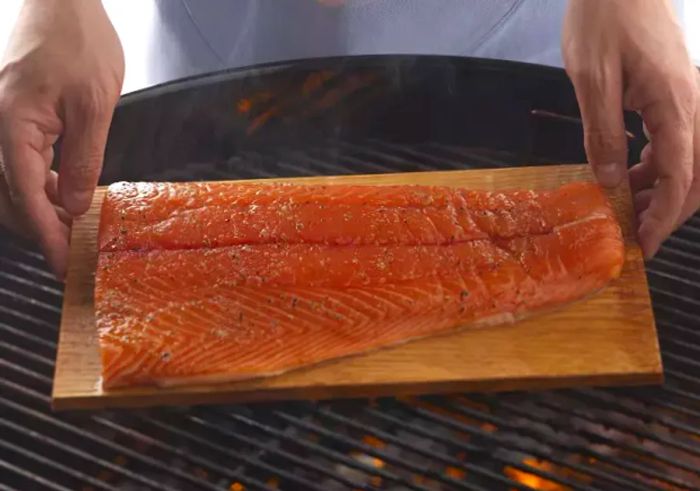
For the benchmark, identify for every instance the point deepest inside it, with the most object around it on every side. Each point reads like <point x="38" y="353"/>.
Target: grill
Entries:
<point x="582" y="439"/>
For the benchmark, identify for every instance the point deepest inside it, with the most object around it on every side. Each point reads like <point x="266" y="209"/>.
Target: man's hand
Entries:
<point x="60" y="77"/>
<point x="630" y="54"/>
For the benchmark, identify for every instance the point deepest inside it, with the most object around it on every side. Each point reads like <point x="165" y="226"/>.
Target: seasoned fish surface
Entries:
<point x="215" y="282"/>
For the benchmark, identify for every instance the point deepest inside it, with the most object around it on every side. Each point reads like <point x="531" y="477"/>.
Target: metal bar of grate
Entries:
<point x="411" y="427"/>
<point x="53" y="463"/>
<point x="69" y="449"/>
<point x="619" y="403"/>
<point x="288" y="476"/>
<point x="532" y="432"/>
<point x="290" y="457"/>
<point x="629" y="466"/>
<point x="31" y="477"/>
<point x="470" y="157"/>
<point x="25" y="353"/>
<point x="676" y="377"/>
<point x="682" y="346"/>
<point x="689" y="362"/>
<point x="22" y="333"/>
<point x="385" y="457"/>
<point x="661" y="260"/>
<point x="27" y="317"/>
<point x="106" y="422"/>
<point x="684" y="332"/>
<point x="385" y="436"/>
<point x="495" y="455"/>
<point x="376" y="156"/>
<point x="32" y="302"/>
<point x="97" y="439"/>
<point x="337" y="456"/>
<point x="491" y="419"/>
<point x="48" y="280"/>
<point x="559" y="407"/>
<point x="32" y="284"/>
<point x="417" y="155"/>
<point x="225" y="471"/>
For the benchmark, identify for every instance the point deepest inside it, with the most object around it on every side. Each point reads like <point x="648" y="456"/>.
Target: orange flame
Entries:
<point x="260" y="120"/>
<point x="236" y="486"/>
<point x="244" y="105"/>
<point x="488" y="427"/>
<point x="373" y="441"/>
<point x="368" y="459"/>
<point x="418" y="479"/>
<point x="455" y="472"/>
<point x="533" y="481"/>
<point x="314" y="80"/>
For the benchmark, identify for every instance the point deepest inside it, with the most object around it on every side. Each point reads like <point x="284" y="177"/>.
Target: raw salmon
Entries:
<point x="213" y="282"/>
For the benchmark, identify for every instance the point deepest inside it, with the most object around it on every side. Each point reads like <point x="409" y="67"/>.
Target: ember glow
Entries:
<point x="455" y="472"/>
<point x="373" y="441"/>
<point x="532" y="480"/>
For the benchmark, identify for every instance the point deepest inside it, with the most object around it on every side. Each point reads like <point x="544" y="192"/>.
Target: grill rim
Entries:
<point x="317" y="63"/>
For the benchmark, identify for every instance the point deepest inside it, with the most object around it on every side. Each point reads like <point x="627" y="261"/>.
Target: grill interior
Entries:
<point x="583" y="439"/>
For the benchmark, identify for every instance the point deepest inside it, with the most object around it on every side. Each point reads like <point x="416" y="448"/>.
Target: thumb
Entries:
<point x="600" y="100"/>
<point x="86" y="127"/>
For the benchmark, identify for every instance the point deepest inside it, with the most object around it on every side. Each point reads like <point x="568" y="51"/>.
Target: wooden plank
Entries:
<point x="607" y="339"/>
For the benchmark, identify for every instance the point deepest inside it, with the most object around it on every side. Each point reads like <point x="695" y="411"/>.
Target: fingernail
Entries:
<point x="609" y="174"/>
<point x="647" y="240"/>
<point x="649" y="249"/>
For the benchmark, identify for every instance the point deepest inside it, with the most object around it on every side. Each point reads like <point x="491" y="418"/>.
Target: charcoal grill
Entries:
<point x="338" y="116"/>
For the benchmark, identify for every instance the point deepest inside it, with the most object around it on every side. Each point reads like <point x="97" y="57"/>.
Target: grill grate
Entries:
<point x="586" y="439"/>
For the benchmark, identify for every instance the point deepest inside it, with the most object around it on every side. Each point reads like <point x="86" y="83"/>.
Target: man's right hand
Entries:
<point x="631" y="54"/>
<point x="60" y="77"/>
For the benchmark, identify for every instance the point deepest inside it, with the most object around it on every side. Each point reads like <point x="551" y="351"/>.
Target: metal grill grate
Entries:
<point x="588" y="439"/>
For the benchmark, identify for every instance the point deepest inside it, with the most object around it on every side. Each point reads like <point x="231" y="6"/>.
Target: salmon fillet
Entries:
<point x="215" y="282"/>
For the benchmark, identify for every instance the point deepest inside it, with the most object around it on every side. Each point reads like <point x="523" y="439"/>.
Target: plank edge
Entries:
<point x="106" y="400"/>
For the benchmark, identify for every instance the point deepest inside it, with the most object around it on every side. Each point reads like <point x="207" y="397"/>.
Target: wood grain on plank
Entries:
<point x="607" y="339"/>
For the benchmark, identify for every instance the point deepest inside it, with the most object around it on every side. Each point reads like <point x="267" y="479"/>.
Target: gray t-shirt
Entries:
<point x="197" y="36"/>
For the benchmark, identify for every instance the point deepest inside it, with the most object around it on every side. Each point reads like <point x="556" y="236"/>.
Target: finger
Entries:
<point x="51" y="187"/>
<point x="26" y="179"/>
<point x="8" y="216"/>
<point x="85" y="136"/>
<point x="599" y="96"/>
<point x="8" y="213"/>
<point x="47" y="154"/>
<point x="671" y="131"/>
<point x="642" y="200"/>
<point x="692" y="201"/>
<point x="65" y="218"/>
<point x="642" y="175"/>
<point x="52" y="193"/>
<point x="645" y="155"/>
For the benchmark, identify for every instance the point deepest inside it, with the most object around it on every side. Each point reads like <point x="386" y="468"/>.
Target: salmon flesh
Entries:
<point x="216" y="282"/>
